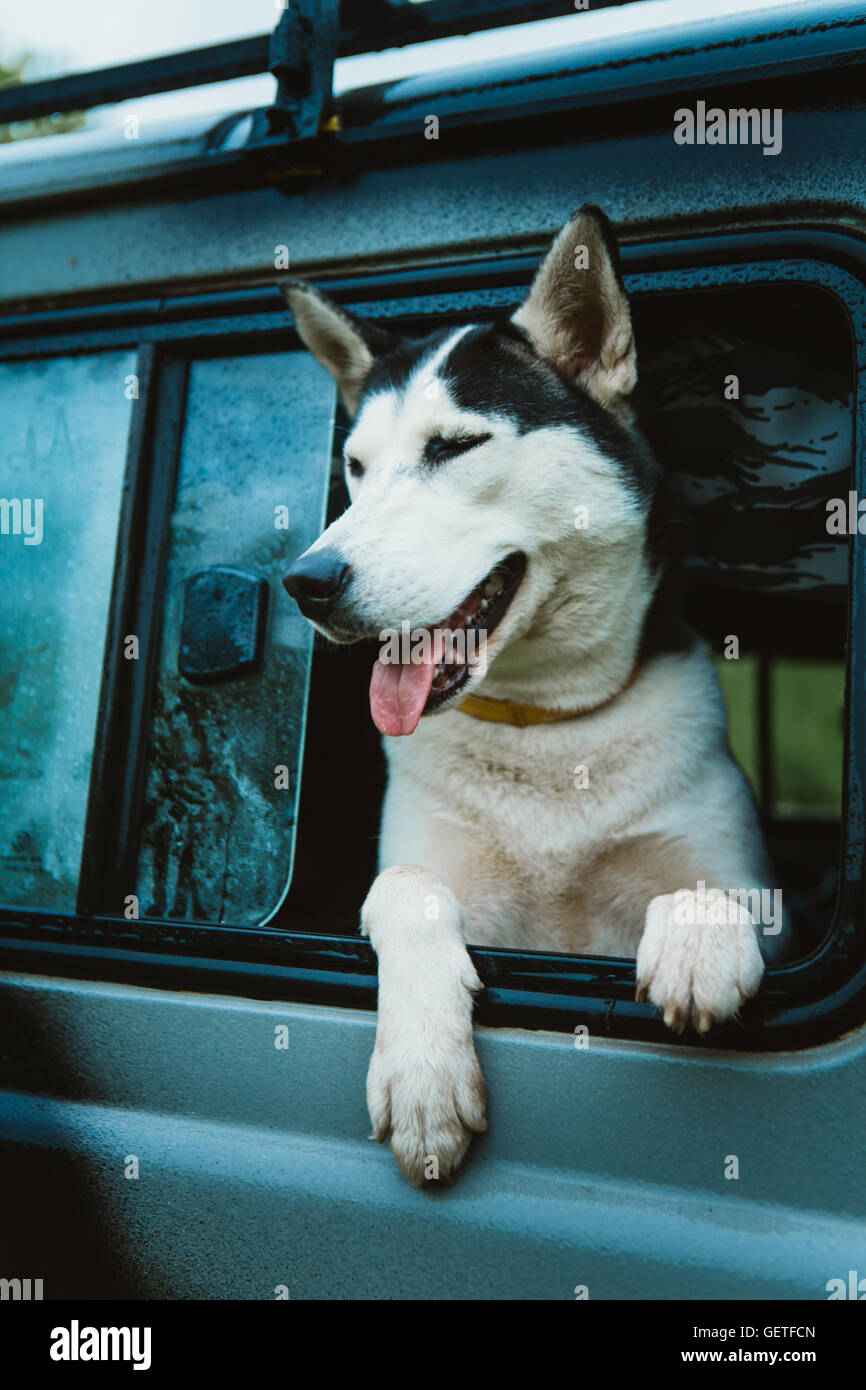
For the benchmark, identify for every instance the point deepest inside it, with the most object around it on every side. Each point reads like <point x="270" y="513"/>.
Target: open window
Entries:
<point x="760" y="440"/>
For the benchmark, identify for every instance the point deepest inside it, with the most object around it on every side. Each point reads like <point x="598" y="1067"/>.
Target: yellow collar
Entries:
<point x="510" y="712"/>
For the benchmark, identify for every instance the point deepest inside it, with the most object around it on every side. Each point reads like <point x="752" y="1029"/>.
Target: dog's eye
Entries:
<point x="439" y="450"/>
<point x="355" y="467"/>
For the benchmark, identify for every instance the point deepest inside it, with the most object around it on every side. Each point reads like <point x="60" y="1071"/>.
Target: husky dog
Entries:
<point x="573" y="791"/>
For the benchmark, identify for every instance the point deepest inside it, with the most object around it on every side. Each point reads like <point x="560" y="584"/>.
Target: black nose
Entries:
<point x="317" y="580"/>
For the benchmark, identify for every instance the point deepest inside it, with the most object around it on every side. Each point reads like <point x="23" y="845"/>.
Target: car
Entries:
<point x="191" y="784"/>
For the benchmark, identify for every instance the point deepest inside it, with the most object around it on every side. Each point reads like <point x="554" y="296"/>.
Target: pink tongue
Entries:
<point x="398" y="695"/>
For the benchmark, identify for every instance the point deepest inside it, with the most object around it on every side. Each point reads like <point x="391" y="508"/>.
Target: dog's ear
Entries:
<point x="345" y="344"/>
<point x="577" y="313"/>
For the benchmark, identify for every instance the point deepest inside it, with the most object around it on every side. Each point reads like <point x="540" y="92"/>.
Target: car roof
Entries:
<point x="577" y="74"/>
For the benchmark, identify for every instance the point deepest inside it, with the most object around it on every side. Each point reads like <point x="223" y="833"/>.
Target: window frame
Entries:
<point x="798" y="1006"/>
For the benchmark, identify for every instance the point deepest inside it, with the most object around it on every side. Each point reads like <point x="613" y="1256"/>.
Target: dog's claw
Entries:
<point x="674" y="1018"/>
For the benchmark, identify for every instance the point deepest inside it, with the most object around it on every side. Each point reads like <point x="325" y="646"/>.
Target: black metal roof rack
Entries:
<point x="300" y="53"/>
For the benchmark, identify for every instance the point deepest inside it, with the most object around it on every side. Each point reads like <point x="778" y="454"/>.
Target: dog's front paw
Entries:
<point x="430" y="1101"/>
<point x="697" y="971"/>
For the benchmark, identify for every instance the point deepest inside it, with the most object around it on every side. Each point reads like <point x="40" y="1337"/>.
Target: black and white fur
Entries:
<point x="486" y="838"/>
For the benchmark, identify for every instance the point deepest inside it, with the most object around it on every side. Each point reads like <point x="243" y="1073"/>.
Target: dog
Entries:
<point x="574" y="791"/>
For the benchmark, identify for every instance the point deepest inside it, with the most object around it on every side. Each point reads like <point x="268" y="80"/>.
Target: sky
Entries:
<point x="70" y="35"/>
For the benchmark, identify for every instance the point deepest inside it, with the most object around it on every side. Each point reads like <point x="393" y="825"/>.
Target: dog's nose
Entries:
<point x="317" y="580"/>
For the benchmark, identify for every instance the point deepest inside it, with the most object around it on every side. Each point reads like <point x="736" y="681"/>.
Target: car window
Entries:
<point x="218" y="825"/>
<point x="245" y="426"/>
<point x="65" y="426"/>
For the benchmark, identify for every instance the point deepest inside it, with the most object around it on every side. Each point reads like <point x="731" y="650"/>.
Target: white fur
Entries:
<point x="424" y="1086"/>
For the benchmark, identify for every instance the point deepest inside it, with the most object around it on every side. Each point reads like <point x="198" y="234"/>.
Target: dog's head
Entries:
<point x="497" y="486"/>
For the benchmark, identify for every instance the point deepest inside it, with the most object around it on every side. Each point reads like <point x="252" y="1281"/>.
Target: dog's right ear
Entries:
<point x="346" y="345"/>
<point x="577" y="312"/>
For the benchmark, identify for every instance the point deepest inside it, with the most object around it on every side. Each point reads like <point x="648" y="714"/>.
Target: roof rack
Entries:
<point x="300" y="54"/>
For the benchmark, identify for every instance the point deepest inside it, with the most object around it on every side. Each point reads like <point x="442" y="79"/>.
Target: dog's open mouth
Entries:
<point x="436" y="662"/>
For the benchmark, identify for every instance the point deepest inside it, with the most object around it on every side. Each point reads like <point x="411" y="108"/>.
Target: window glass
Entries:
<point x="223" y="773"/>
<point x="65" y="424"/>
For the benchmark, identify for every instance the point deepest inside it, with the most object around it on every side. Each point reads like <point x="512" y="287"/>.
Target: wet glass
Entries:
<point x="62" y="461"/>
<point x="218" y="827"/>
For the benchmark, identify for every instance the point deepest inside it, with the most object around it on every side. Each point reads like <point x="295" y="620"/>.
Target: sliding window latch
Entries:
<point x="223" y="625"/>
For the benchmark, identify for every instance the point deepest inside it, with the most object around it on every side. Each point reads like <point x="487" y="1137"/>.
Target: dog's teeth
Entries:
<point x="494" y="584"/>
<point x="485" y="604"/>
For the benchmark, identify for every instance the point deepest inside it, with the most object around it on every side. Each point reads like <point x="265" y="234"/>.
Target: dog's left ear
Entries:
<point x="577" y="313"/>
<point x="344" y="343"/>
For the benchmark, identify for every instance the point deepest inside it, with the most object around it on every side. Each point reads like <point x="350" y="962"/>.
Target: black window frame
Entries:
<point x="800" y="1005"/>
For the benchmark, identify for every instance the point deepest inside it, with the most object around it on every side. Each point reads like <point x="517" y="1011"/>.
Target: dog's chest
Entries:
<point x="516" y="822"/>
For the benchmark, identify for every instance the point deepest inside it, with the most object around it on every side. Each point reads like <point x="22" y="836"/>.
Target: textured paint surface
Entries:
<point x="604" y="1166"/>
<point x="515" y="198"/>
